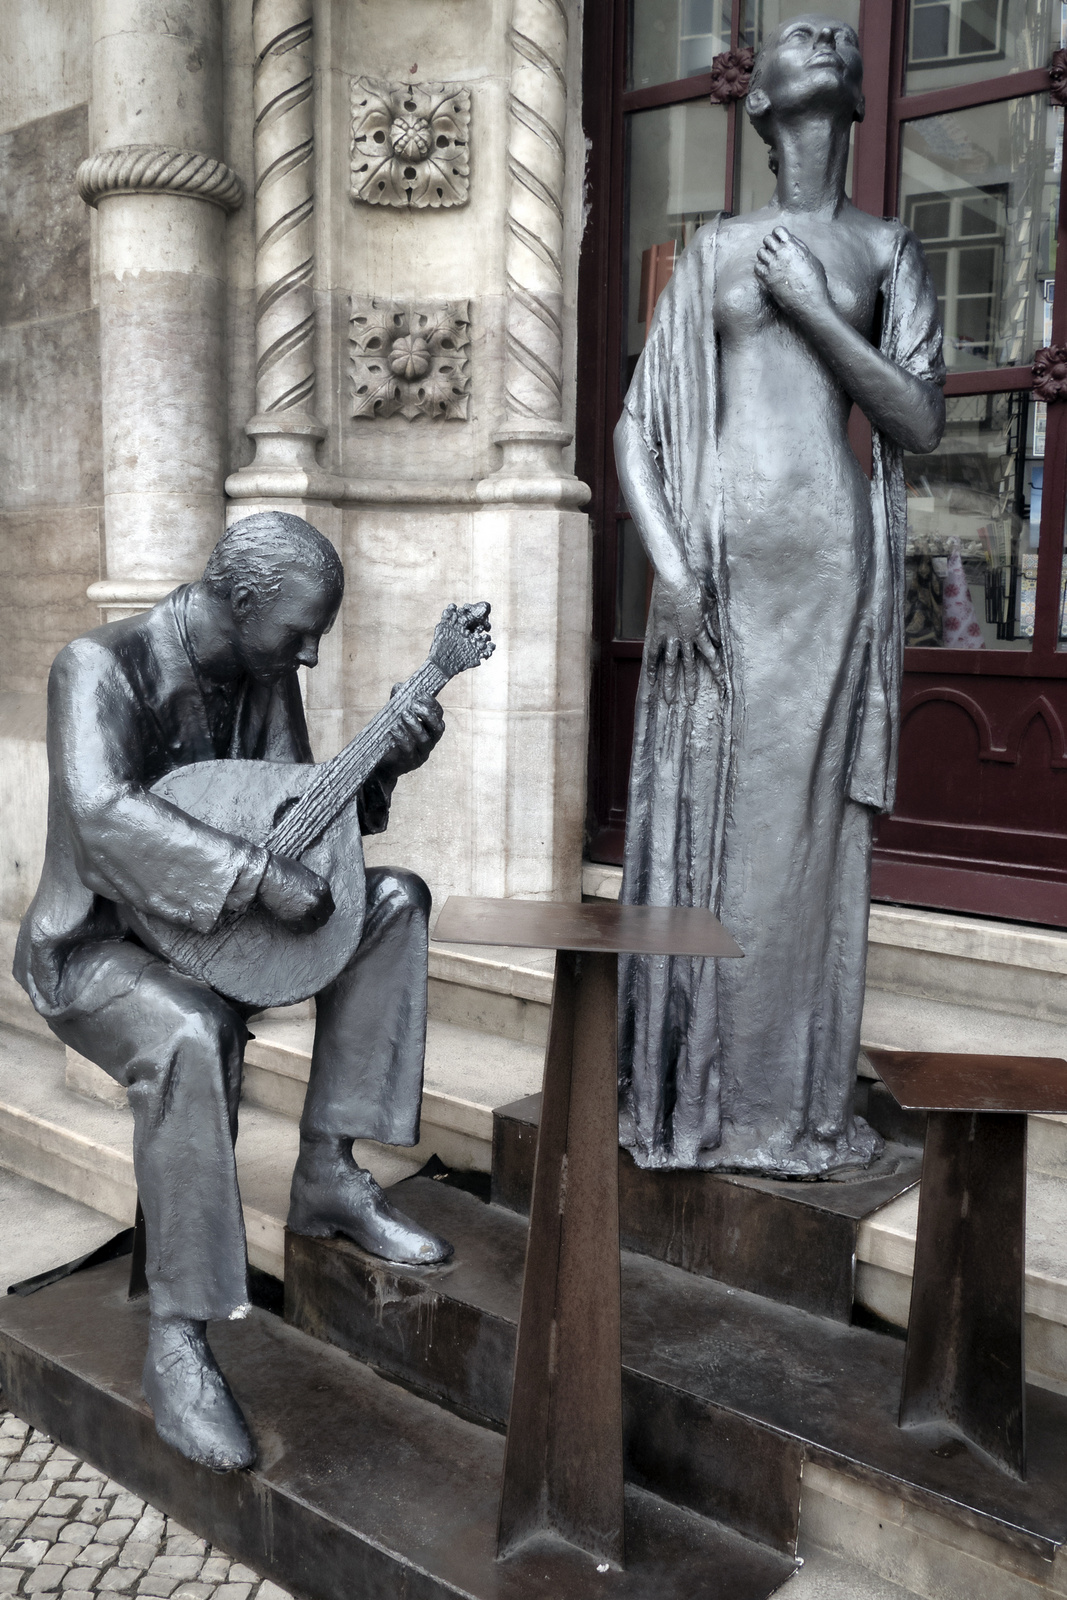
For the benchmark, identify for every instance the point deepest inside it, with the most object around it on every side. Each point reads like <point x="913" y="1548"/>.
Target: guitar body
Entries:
<point x="254" y="958"/>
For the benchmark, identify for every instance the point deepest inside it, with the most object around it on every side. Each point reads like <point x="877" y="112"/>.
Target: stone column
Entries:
<point x="162" y="194"/>
<point x="532" y="541"/>
<point x="285" y="474"/>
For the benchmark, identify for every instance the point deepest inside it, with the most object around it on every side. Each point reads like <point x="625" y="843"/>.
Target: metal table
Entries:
<point x="563" y="1461"/>
<point x="965" y="1361"/>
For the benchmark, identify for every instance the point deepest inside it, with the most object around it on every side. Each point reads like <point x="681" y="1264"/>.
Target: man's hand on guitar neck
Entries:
<point x="297" y="896"/>
<point x="414" y="737"/>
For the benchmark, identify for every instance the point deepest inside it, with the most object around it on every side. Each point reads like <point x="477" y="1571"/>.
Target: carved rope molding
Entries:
<point x="159" y="169"/>
<point x="284" y="148"/>
<point x="537" y="106"/>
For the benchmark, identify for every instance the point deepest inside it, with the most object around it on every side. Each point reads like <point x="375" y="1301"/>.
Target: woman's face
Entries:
<point x="810" y="61"/>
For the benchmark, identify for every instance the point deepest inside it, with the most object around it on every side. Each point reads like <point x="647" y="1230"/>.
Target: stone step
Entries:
<point x="494" y="988"/>
<point x="82" y="1148"/>
<point x="795" y="1242"/>
<point x="364" y="1488"/>
<point x="728" y="1396"/>
<point x="469" y="1071"/>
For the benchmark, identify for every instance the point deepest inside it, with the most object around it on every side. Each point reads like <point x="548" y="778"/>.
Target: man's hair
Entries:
<point x="258" y="551"/>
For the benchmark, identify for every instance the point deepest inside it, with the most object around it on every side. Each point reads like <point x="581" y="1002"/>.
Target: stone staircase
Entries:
<point x="941" y="982"/>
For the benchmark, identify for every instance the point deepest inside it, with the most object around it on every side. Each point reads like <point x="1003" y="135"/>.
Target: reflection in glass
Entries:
<point x="676" y="171"/>
<point x="980" y="188"/>
<point x="633" y="585"/>
<point x="971" y="504"/>
<point x="961" y="41"/>
<point x="672" y="39"/>
<point x="761" y="17"/>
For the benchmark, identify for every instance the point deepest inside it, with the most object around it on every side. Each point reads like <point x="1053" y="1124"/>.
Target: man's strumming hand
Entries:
<point x="298" y="897"/>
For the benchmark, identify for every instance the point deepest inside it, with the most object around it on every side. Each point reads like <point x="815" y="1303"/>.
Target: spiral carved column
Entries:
<point x="533" y="432"/>
<point x="284" y="427"/>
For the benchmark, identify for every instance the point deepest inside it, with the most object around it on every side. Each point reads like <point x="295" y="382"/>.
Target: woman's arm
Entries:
<point x="910" y="409"/>
<point x="680" y="630"/>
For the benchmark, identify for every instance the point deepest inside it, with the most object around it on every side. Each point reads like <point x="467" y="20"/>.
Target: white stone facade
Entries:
<point x="175" y="354"/>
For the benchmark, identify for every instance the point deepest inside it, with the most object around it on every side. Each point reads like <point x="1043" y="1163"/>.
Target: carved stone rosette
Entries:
<point x="285" y="199"/>
<point x="1057" y="74"/>
<point x="731" y="73"/>
<point x="410" y="360"/>
<point x="534" y="240"/>
<point x="1050" y="373"/>
<point x="159" y="169"/>
<point x="410" y="143"/>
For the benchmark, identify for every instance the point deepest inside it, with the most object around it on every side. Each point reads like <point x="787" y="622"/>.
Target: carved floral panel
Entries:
<point x="410" y="143"/>
<point x="410" y="360"/>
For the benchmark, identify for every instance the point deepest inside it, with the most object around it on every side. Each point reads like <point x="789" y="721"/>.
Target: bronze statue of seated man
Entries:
<point x="211" y="673"/>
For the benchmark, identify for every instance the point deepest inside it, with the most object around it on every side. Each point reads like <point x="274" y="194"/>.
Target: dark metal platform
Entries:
<point x="726" y="1393"/>
<point x="361" y="1488"/>
<point x="791" y="1241"/>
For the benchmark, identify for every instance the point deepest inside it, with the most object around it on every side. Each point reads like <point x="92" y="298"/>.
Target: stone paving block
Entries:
<point x="216" y="1569"/>
<point x="37" y="1452"/>
<point x="272" y="1591"/>
<point x="117" y="1580"/>
<point x="10" y="1578"/>
<point x="193" y="1591"/>
<point x="35" y="1490"/>
<point x="46" y="1578"/>
<point x="240" y="1574"/>
<point x="25" y="1470"/>
<point x="115" y="1530"/>
<point x="58" y="1506"/>
<point x="25" y="1553"/>
<point x="181" y="1567"/>
<point x="138" y="1553"/>
<point x="127" y="1505"/>
<point x="9" y="1489"/>
<point x="79" y="1578"/>
<point x="61" y="1453"/>
<point x="95" y="1509"/>
<point x="186" y="1544"/>
<point x="79" y="1533"/>
<point x="56" y="1469"/>
<point x="41" y="1528"/>
<point x="233" y="1591"/>
<point x="158" y="1586"/>
<point x="98" y="1555"/>
<point x="9" y="1445"/>
<point x="14" y="1426"/>
<point x="111" y="1487"/>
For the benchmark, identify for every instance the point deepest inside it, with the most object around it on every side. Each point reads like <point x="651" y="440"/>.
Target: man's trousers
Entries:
<point x="178" y="1049"/>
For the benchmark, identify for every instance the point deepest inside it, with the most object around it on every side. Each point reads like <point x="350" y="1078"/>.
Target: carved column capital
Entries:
<point x="159" y="169"/>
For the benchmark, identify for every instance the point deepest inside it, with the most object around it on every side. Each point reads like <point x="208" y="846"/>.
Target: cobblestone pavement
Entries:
<point x="65" y="1529"/>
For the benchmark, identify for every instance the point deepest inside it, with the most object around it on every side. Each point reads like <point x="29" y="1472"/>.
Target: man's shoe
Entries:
<point x="190" y="1399"/>
<point x="337" y="1197"/>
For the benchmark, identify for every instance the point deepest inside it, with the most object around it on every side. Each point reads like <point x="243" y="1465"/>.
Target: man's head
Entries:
<point x="282" y="583"/>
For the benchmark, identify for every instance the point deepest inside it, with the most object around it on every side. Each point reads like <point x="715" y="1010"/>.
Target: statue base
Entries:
<point x="361" y="1487"/>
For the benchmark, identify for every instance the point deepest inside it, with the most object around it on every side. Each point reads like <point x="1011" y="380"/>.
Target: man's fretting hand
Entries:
<point x="298" y="897"/>
<point x="414" y="737"/>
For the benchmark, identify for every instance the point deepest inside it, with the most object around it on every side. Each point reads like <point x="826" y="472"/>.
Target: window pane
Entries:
<point x="974" y="507"/>
<point x="981" y="188"/>
<point x="676" y="181"/>
<point x="633" y="585"/>
<point x="761" y="17"/>
<point x="962" y="41"/>
<point x="672" y="39"/>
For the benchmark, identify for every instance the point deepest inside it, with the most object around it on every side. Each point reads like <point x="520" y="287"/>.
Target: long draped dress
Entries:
<point x="758" y="800"/>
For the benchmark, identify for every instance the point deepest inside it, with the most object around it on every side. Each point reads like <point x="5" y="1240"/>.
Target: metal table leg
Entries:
<point x="563" y="1463"/>
<point x="965" y="1362"/>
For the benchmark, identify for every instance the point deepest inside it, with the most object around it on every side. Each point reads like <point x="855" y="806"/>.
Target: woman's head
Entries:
<point x="808" y="64"/>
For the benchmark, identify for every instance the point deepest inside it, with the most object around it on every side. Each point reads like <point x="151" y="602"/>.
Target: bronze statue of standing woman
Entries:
<point x="767" y="719"/>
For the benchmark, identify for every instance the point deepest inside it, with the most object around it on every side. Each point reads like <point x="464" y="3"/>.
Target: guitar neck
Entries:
<point x="339" y="780"/>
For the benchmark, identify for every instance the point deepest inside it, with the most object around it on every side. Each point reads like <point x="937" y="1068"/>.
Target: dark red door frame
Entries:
<point x="930" y="879"/>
